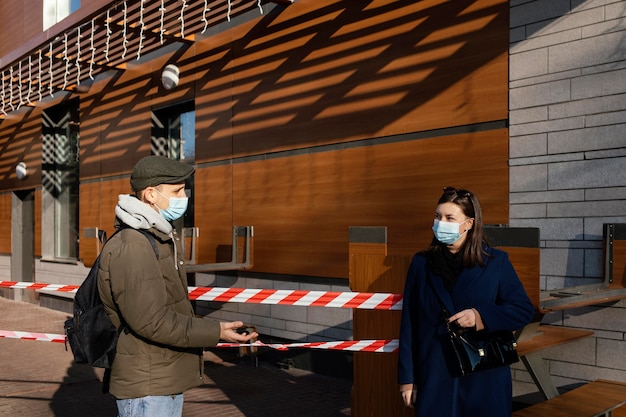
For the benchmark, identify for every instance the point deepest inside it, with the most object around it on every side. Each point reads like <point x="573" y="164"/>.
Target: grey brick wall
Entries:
<point x="5" y="267"/>
<point x="567" y="103"/>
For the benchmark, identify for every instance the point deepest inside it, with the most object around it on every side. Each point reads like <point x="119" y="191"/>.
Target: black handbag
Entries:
<point x="469" y="351"/>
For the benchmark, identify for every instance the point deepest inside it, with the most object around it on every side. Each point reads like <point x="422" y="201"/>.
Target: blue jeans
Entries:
<point x="151" y="406"/>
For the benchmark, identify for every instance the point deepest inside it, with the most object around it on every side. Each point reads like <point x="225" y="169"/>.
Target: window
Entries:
<point x="56" y="10"/>
<point x="174" y="136"/>
<point x="60" y="181"/>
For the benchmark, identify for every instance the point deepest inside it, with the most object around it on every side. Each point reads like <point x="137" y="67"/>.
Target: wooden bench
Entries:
<point x="549" y="336"/>
<point x="597" y="398"/>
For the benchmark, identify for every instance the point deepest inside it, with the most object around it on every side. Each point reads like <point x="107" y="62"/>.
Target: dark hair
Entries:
<point x="473" y="248"/>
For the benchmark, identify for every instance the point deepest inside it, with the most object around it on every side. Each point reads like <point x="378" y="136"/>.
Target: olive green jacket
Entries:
<point x="159" y="353"/>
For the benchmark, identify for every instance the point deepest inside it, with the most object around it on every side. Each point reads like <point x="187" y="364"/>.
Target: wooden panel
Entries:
<point x="302" y="206"/>
<point x="549" y="336"/>
<point x="116" y="125"/>
<point x="619" y="264"/>
<point x="527" y="263"/>
<point x="97" y="209"/>
<point x="5" y="222"/>
<point x="214" y="213"/>
<point x="20" y="141"/>
<point x="32" y="18"/>
<point x="375" y="389"/>
<point x="23" y="20"/>
<point x="315" y="73"/>
<point x="12" y="22"/>
<point x="336" y="71"/>
<point x="596" y="398"/>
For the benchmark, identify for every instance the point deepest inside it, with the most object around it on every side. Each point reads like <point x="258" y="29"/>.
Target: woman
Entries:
<point x="479" y="287"/>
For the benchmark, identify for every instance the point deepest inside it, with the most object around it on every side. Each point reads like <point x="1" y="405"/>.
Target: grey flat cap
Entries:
<point x="154" y="170"/>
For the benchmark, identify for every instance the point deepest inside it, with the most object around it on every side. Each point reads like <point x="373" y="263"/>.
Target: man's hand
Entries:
<point x="228" y="332"/>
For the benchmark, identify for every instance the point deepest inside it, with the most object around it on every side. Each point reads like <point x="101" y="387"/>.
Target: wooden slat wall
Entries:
<point x="335" y="71"/>
<point x="5" y="222"/>
<point x="20" y="141"/>
<point x="97" y="209"/>
<point x="302" y="206"/>
<point x="21" y="25"/>
<point x="375" y="391"/>
<point x="214" y="213"/>
<point x="619" y="263"/>
<point x="317" y="73"/>
<point x="527" y="263"/>
<point x="14" y="26"/>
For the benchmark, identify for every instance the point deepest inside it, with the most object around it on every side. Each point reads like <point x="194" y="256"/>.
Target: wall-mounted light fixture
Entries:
<point x="21" y="171"/>
<point x="169" y="76"/>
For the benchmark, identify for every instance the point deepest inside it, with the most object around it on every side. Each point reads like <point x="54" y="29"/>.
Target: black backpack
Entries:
<point x="90" y="333"/>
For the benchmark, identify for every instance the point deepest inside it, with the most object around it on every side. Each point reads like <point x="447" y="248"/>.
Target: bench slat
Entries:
<point x="548" y="336"/>
<point x="590" y="400"/>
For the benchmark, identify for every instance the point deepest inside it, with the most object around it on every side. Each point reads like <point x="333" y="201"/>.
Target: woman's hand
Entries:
<point x="469" y="318"/>
<point x="228" y="332"/>
<point x="409" y="394"/>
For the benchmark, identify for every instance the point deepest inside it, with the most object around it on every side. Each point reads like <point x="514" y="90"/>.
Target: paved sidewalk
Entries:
<point x="38" y="379"/>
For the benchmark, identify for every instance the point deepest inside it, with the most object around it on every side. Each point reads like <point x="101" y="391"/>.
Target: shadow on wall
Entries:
<point x="337" y="72"/>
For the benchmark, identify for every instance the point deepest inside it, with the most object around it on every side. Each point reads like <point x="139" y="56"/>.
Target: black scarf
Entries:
<point x="446" y="264"/>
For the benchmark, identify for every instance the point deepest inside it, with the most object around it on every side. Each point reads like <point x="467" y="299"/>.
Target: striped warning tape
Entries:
<point x="358" y="300"/>
<point x="41" y="337"/>
<point x="370" y="301"/>
<point x="377" y="346"/>
<point x="38" y="286"/>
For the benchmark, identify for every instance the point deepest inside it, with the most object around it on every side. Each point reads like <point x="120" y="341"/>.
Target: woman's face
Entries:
<point x="450" y="212"/>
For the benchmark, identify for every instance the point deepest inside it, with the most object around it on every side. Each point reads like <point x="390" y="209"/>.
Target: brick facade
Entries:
<point x="567" y="162"/>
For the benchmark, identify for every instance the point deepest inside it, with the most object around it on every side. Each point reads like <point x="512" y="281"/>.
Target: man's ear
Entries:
<point x="148" y="195"/>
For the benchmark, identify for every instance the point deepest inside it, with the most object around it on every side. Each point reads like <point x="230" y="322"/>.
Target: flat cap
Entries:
<point x="154" y="170"/>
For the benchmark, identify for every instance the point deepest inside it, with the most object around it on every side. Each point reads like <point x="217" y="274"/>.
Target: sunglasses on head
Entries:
<point x="459" y="193"/>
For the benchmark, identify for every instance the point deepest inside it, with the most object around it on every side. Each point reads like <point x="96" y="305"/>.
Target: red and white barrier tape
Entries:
<point x="358" y="300"/>
<point x="41" y="337"/>
<point x="377" y="346"/>
<point x="370" y="301"/>
<point x="38" y="286"/>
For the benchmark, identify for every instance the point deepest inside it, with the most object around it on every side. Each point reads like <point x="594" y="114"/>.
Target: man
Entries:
<point x="143" y="286"/>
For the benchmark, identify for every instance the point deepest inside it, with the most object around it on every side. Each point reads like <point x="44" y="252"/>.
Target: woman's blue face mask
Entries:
<point x="447" y="232"/>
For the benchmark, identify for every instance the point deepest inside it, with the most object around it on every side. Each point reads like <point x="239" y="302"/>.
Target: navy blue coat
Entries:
<point x="497" y="293"/>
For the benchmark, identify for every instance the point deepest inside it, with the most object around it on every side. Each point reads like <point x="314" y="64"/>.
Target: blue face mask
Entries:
<point x="447" y="232"/>
<point x="177" y="207"/>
